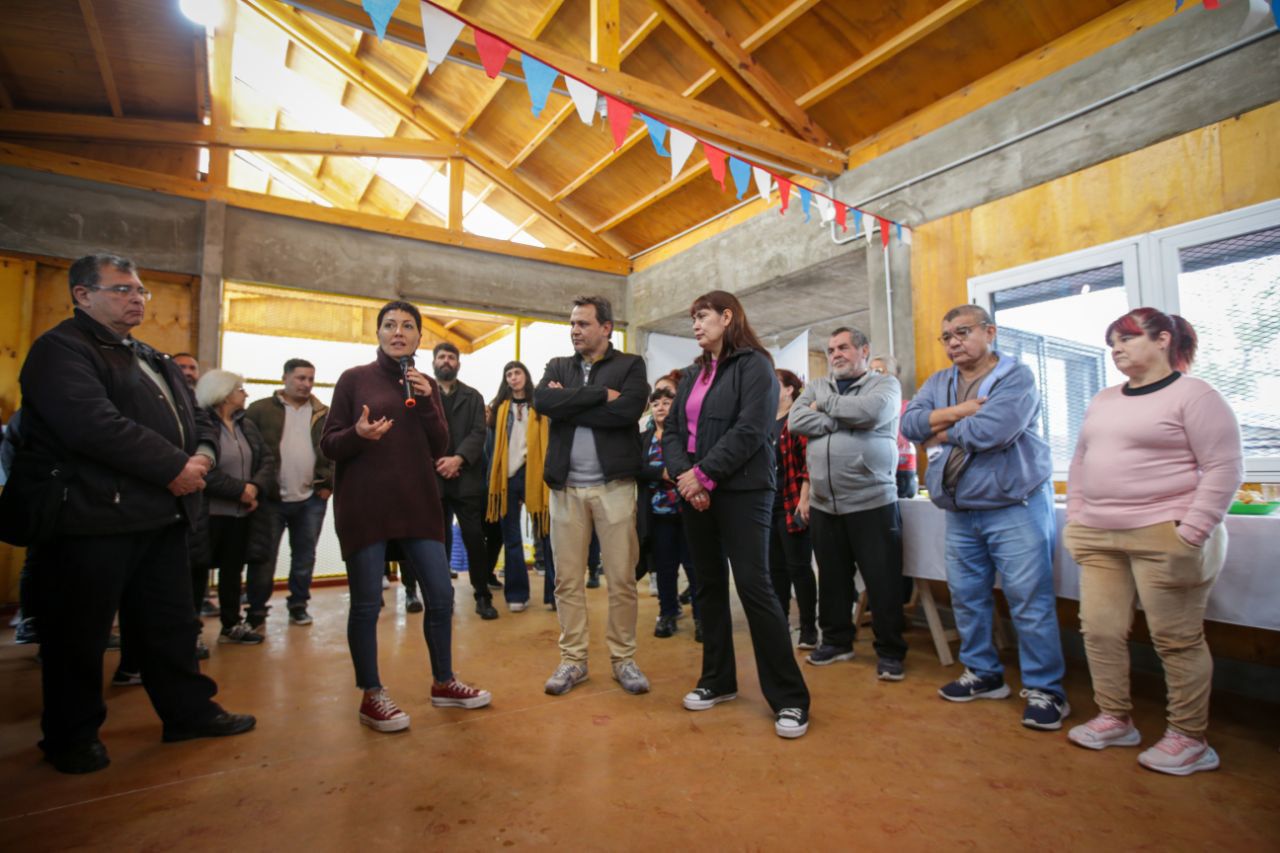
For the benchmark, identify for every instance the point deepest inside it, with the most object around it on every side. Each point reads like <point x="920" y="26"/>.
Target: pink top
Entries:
<point x="1170" y="455"/>
<point x="693" y="408"/>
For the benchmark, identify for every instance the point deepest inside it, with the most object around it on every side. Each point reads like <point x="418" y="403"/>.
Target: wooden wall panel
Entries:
<point x="1250" y="157"/>
<point x="940" y="270"/>
<point x="172" y="160"/>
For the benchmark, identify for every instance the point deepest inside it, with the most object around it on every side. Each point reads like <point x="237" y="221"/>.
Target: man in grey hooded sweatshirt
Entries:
<point x="851" y="420"/>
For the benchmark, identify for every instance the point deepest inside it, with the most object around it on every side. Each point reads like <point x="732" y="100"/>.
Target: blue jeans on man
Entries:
<point x="1014" y="543"/>
<point x="303" y="519"/>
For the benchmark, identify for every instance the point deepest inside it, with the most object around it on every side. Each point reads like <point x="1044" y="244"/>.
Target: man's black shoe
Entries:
<point x="88" y="758"/>
<point x="666" y="626"/>
<point x="686" y="597"/>
<point x="486" y="609"/>
<point x="222" y="725"/>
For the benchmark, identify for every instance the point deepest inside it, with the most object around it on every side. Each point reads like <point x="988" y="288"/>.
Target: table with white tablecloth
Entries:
<point x="1247" y="591"/>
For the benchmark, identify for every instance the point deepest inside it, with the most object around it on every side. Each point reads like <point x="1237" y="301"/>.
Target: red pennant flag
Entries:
<point x="619" y="120"/>
<point x="784" y="192"/>
<point x="841" y="213"/>
<point x="715" y="159"/>
<point x="884" y="231"/>
<point x="493" y="52"/>
<point x="1211" y="4"/>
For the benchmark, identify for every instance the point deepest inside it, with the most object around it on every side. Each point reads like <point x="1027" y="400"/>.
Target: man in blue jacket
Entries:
<point x="990" y="470"/>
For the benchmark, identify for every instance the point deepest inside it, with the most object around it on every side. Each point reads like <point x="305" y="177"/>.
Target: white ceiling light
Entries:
<point x="206" y="13"/>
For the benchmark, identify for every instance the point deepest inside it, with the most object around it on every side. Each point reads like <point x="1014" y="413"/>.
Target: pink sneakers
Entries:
<point x="455" y="694"/>
<point x="1103" y="731"/>
<point x="1179" y="755"/>
<point x="379" y="713"/>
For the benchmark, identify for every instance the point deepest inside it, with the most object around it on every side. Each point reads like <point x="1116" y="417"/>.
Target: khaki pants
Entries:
<point x="611" y="510"/>
<point x="1172" y="581"/>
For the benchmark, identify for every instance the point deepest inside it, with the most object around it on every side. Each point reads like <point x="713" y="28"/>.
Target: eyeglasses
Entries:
<point x="960" y="333"/>
<point x="123" y="290"/>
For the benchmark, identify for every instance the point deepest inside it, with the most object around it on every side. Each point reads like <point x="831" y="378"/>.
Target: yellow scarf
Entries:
<point x="537" y="495"/>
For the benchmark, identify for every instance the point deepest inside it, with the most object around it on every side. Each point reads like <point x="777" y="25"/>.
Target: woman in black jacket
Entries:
<point x="718" y="446"/>
<point x="246" y="471"/>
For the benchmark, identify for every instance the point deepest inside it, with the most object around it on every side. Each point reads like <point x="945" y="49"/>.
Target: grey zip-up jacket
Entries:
<point x="853" y="442"/>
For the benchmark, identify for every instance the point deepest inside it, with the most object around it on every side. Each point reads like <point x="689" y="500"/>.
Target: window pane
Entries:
<point x="1056" y="327"/>
<point x="1230" y="292"/>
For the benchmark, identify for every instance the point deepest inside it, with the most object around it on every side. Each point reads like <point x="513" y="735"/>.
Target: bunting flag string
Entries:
<point x="379" y="12"/>
<point x="441" y="28"/>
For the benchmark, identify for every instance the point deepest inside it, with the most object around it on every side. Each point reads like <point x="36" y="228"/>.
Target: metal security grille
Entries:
<point x="1076" y="283"/>
<point x="1230" y="292"/>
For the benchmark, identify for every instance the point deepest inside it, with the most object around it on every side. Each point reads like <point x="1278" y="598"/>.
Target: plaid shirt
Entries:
<point x="796" y="470"/>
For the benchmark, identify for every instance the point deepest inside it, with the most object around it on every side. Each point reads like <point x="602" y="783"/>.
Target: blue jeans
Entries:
<point x="515" y="581"/>
<point x="1015" y="542"/>
<point x="425" y="560"/>
<point x="303" y="520"/>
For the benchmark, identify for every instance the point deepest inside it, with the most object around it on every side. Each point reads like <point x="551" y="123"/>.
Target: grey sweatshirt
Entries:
<point x="853" y="442"/>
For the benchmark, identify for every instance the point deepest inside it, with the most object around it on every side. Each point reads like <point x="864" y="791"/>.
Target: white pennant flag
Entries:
<point x="826" y="209"/>
<point x="439" y="31"/>
<point x="764" y="181"/>
<point x="584" y="98"/>
<point x="867" y="221"/>
<point x="906" y="236"/>
<point x="681" y="145"/>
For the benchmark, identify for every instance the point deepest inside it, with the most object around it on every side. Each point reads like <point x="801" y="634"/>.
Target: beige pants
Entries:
<point x="611" y="510"/>
<point x="1172" y="580"/>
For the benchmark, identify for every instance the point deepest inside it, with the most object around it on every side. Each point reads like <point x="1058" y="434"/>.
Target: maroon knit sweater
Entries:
<point x="384" y="489"/>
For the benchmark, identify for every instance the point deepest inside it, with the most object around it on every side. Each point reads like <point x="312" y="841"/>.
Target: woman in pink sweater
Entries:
<point x="1155" y="469"/>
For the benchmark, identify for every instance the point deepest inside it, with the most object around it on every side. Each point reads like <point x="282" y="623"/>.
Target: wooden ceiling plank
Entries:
<point x="606" y="39"/>
<point x="416" y="112"/>
<point x="886" y="50"/>
<point x="779" y="22"/>
<point x="702" y="119"/>
<point x="50" y="162"/>
<point x="495" y="86"/>
<point x="221" y="82"/>
<point x="200" y="56"/>
<point x="415" y="81"/>
<point x="567" y="109"/>
<point x="100" y="54"/>
<point x="6" y="102"/>
<point x="744" y="67"/>
<point x="457" y="179"/>
<point x="86" y="128"/>
<point x="651" y="198"/>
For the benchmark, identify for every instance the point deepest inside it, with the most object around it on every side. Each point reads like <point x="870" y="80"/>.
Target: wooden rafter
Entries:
<point x="100" y="54"/>
<point x="426" y="119"/>
<point x="457" y="181"/>
<point x="886" y="50"/>
<point x="6" y="102"/>
<point x="50" y="162"/>
<point x="709" y="31"/>
<point x="567" y="109"/>
<point x="779" y="22"/>
<point x="495" y="86"/>
<point x="85" y="128"/>
<point x="705" y="120"/>
<point x="606" y="38"/>
<point x="200" y="56"/>
<point x="319" y="186"/>
<point x="221" y="82"/>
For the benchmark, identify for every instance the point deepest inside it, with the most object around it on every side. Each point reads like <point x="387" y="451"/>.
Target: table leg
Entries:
<point x="939" y="634"/>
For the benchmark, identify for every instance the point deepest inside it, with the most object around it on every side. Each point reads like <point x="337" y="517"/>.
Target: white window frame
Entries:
<point x="1151" y="266"/>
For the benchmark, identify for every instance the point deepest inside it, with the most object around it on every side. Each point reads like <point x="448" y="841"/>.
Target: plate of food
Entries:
<point x="1250" y="502"/>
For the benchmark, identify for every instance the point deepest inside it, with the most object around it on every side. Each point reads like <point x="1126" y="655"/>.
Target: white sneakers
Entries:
<point x="1176" y="753"/>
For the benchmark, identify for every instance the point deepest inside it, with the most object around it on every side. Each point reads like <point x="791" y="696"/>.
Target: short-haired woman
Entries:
<point x="245" y="473"/>
<point x="1155" y="469"/>
<point x="515" y="478"/>
<point x="718" y="446"/>
<point x="790" y="551"/>
<point x="385" y="491"/>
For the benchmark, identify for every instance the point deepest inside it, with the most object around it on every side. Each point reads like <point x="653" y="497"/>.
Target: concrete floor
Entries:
<point x="883" y="766"/>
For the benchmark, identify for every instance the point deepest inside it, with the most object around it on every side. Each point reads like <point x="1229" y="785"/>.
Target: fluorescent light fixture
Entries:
<point x="206" y="13"/>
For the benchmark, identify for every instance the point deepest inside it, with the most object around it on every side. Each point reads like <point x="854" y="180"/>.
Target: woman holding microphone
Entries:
<point x="385" y="429"/>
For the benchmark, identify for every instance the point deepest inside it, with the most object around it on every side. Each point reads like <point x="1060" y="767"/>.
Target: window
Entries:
<point x="1221" y="273"/>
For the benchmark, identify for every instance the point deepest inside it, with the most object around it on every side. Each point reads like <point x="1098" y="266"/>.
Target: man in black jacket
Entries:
<point x="594" y="400"/>
<point x="115" y="417"/>
<point x="463" y="476"/>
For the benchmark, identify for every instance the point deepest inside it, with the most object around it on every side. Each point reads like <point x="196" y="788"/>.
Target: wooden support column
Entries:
<point x="457" y="176"/>
<point x="220" y="84"/>
<point x="209" y="310"/>
<point x="606" y="38"/>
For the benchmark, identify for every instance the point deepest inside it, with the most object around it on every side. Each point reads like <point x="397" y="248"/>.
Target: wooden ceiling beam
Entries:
<point x="709" y="31"/>
<point x="85" y="128"/>
<point x="6" y="101"/>
<point x="221" y="82"/>
<point x="100" y="54"/>
<point x="606" y="37"/>
<point x="441" y="331"/>
<point x="704" y="120"/>
<point x="495" y="86"/>
<point x="200" y="57"/>
<point x="50" y="162"/>
<point x="779" y="22"/>
<point x="457" y="181"/>
<point x="333" y="194"/>
<point x="886" y="50"/>
<point x="567" y="109"/>
<point x="416" y="112"/>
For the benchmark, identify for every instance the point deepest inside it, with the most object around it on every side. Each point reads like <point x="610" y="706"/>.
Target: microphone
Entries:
<point x="409" y="402"/>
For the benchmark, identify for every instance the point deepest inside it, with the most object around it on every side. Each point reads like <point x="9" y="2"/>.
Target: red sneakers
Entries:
<point x="379" y="713"/>
<point x="455" y="694"/>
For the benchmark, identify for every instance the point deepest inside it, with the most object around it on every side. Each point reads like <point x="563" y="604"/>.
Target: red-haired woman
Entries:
<point x="1155" y="469"/>
<point x="718" y="445"/>
<point x="790" y="551"/>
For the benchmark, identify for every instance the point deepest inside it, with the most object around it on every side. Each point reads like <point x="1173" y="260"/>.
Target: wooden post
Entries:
<point x="606" y="41"/>
<point x="456" y="180"/>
